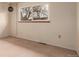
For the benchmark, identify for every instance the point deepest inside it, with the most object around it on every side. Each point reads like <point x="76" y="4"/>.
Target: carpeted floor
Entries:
<point x="14" y="47"/>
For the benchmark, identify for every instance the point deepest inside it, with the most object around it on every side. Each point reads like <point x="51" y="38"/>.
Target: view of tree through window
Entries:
<point x="39" y="12"/>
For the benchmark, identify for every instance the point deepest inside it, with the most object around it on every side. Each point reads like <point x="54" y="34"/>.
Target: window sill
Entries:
<point x="33" y="21"/>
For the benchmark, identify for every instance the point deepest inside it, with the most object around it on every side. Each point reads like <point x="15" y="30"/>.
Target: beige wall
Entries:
<point x="4" y="28"/>
<point x="77" y="44"/>
<point x="12" y="19"/>
<point x="63" y="22"/>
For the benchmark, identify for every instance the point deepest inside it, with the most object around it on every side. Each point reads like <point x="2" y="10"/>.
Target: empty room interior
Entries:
<point x="39" y="29"/>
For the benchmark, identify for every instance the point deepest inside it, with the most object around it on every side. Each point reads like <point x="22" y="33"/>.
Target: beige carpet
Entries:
<point x="13" y="47"/>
